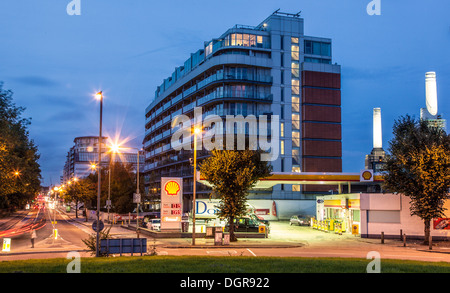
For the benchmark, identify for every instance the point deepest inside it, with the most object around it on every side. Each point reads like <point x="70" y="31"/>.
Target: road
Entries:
<point x="45" y="221"/>
<point x="295" y="241"/>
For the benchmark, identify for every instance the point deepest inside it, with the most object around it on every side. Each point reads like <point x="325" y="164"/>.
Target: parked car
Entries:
<point x="260" y="219"/>
<point x="300" y="220"/>
<point x="154" y="224"/>
<point x="246" y="224"/>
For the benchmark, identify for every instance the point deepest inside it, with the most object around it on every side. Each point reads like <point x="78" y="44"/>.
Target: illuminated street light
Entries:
<point x="196" y="131"/>
<point x="99" y="96"/>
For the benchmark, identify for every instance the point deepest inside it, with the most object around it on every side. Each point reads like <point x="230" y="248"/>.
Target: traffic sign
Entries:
<point x="136" y="198"/>
<point x="100" y="226"/>
<point x="6" y="244"/>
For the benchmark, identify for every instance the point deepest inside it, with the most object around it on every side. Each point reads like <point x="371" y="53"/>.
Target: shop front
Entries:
<point x="338" y="213"/>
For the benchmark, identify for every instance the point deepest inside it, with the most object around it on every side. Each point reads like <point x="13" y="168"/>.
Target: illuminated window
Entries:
<point x="295" y="187"/>
<point x="295" y="86"/>
<point x="295" y="71"/>
<point x="245" y="40"/>
<point x="295" y="122"/>
<point x="294" y="40"/>
<point x="295" y="139"/>
<point x="282" y="147"/>
<point x="282" y="129"/>
<point x="259" y="39"/>
<point x="296" y="169"/>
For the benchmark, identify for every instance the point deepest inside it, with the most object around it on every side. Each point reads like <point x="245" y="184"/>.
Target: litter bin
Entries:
<point x="226" y="239"/>
<point x="184" y="226"/>
<point x="209" y="232"/>
<point x="68" y="209"/>
<point x="218" y="238"/>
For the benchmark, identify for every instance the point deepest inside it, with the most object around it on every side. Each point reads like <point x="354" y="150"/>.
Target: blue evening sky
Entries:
<point x="54" y="62"/>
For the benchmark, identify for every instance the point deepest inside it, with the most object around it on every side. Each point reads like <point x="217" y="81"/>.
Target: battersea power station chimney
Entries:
<point x="376" y="159"/>
<point x="377" y="136"/>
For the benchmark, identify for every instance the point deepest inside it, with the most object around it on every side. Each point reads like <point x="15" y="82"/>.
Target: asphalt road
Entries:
<point x="297" y="242"/>
<point x="44" y="221"/>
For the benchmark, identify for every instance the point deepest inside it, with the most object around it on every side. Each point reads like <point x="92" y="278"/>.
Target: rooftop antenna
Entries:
<point x="287" y="14"/>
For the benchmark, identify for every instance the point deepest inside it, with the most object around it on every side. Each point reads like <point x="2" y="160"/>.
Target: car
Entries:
<point x="247" y="224"/>
<point x="259" y="219"/>
<point x="300" y="220"/>
<point x="154" y="224"/>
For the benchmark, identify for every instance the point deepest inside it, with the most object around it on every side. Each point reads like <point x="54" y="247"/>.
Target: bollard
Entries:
<point x="382" y="237"/>
<point x="404" y="240"/>
<point x="430" y="241"/>
<point x="401" y="234"/>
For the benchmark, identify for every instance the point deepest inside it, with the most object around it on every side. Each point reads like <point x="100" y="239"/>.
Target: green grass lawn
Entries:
<point x="225" y="264"/>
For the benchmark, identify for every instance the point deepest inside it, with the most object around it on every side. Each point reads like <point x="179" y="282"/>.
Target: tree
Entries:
<point x="20" y="172"/>
<point x="232" y="174"/>
<point x="418" y="166"/>
<point x="123" y="185"/>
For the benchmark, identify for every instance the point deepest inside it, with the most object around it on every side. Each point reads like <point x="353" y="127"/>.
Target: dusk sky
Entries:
<point x="55" y="62"/>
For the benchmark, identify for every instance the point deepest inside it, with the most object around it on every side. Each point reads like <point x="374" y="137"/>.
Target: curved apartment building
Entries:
<point x="270" y="69"/>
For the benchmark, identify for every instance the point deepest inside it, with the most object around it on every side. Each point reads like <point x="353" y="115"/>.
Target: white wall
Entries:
<point x="412" y="226"/>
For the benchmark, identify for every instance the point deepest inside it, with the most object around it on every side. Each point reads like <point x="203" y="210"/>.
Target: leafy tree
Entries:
<point x="418" y="166"/>
<point x="232" y="174"/>
<point x="19" y="169"/>
<point x="123" y="185"/>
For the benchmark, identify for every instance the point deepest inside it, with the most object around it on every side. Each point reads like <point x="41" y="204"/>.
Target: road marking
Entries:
<point x="251" y="252"/>
<point x="227" y="252"/>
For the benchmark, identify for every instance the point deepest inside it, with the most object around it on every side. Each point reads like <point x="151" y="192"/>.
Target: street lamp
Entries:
<point x="197" y="131"/>
<point x="99" y="96"/>
<point x="114" y="148"/>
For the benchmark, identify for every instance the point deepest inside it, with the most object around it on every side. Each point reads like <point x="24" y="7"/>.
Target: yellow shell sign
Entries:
<point x="366" y="175"/>
<point x="172" y="188"/>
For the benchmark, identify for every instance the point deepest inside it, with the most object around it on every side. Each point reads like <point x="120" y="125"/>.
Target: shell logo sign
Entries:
<point x="366" y="176"/>
<point x="172" y="188"/>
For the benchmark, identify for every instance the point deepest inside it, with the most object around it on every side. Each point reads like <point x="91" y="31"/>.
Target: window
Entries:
<point x="294" y="40"/>
<point x="317" y="48"/>
<point x="317" y="60"/>
<point x="259" y="39"/>
<point x="296" y="169"/>
<point x="282" y="129"/>
<point x="208" y="49"/>
<point x="295" y="104"/>
<point x="295" y="122"/>
<point x="282" y="147"/>
<point x="295" y="157"/>
<point x="295" y="71"/>
<point x="295" y="87"/>
<point x="295" y="140"/>
<point x="296" y="187"/>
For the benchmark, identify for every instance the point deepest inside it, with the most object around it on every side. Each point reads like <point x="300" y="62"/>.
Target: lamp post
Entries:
<point x="196" y="131"/>
<point x="99" y="96"/>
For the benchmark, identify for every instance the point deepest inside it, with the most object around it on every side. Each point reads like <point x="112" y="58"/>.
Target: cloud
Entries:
<point x="38" y="81"/>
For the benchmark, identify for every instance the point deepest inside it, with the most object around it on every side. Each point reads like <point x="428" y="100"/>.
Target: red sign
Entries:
<point x="441" y="224"/>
